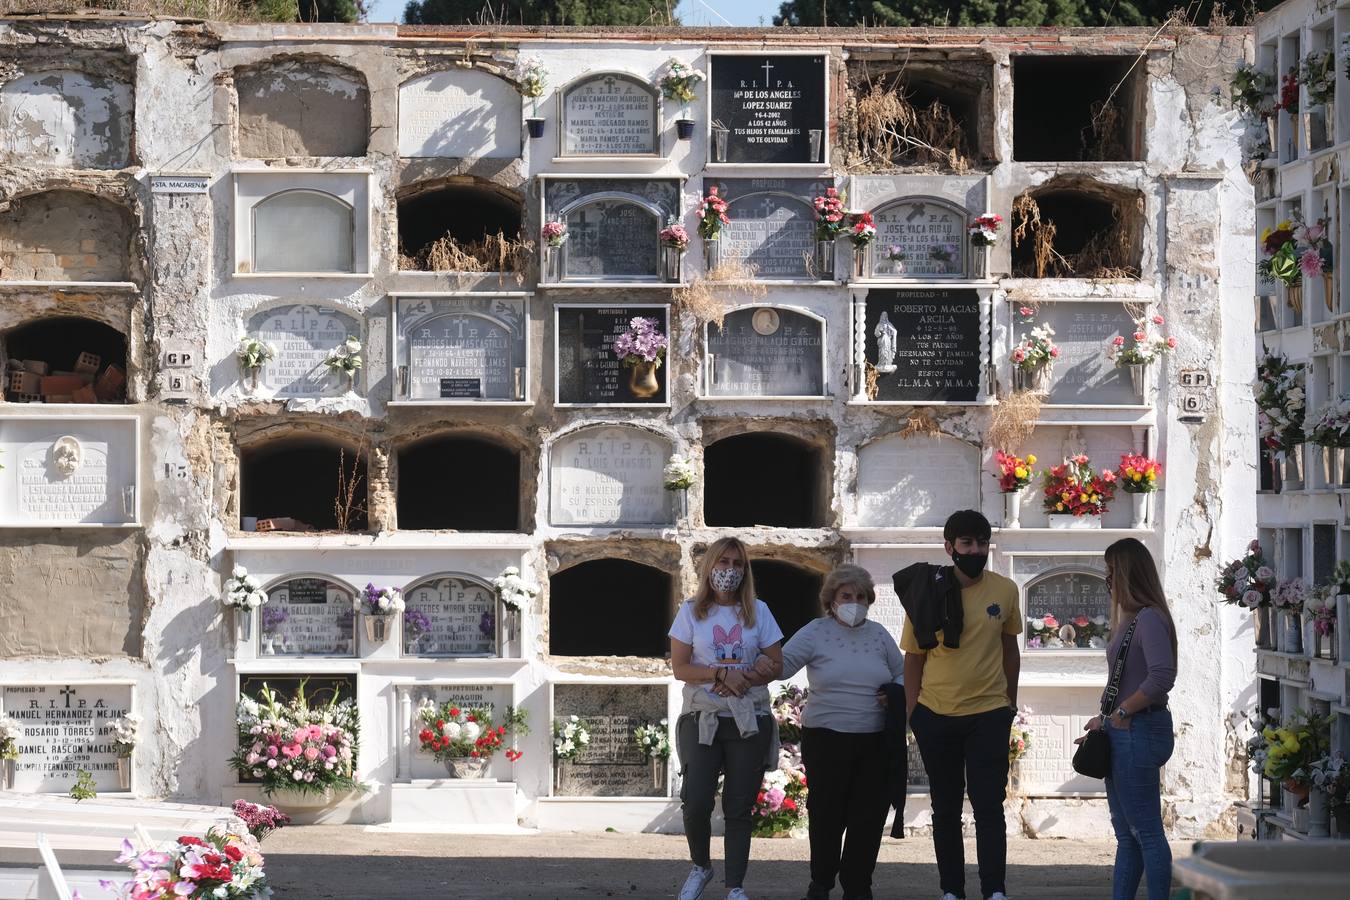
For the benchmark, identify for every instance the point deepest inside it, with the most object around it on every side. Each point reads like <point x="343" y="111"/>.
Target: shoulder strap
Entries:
<point x="1118" y="669"/>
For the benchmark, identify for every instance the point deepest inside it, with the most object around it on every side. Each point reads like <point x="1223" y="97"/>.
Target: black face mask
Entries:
<point x="971" y="564"/>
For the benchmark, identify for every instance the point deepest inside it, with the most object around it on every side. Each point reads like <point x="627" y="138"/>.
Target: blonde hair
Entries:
<point x="1135" y="585"/>
<point x="705" y="596"/>
<point x="847" y="574"/>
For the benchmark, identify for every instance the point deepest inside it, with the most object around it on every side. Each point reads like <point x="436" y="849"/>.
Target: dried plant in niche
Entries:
<point x="1027" y="216"/>
<point x="347" y="506"/>
<point x="1014" y="421"/>
<point x="1108" y="252"/>
<point x="871" y="378"/>
<point x="707" y="298"/>
<point x="921" y="423"/>
<point x="891" y="131"/>
<point x="494" y="253"/>
<point x="1104" y="138"/>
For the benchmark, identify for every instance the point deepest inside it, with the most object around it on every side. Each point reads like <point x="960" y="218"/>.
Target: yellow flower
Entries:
<point x="1059" y="507"/>
<point x="1020" y="472"/>
<point x="1137" y="477"/>
<point x="1152" y="476"/>
<point x="1065" y="496"/>
<point x="1031" y="460"/>
<point x="1094" y="498"/>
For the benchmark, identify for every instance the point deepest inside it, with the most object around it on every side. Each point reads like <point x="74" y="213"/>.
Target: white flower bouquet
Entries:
<point x="345" y="358"/>
<point x="654" y="740"/>
<point x="513" y="590"/>
<point x="679" y="474"/>
<point x="124" y="733"/>
<point x="570" y="738"/>
<point x="253" y="353"/>
<point x="243" y="591"/>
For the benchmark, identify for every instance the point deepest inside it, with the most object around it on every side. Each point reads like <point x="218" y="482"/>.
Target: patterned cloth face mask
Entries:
<point x="724" y="581"/>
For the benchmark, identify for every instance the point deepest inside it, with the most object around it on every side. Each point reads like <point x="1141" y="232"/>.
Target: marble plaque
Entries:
<point x="461" y="616"/>
<point x="609" y="115"/>
<point x="612" y="239"/>
<point x="920" y="237"/>
<point x="459" y="113"/>
<point x="65" y="728"/>
<point x="303" y="337"/>
<point x="766" y="352"/>
<point x="1057" y="719"/>
<point x="496" y="697"/>
<point x="308" y="617"/>
<point x="1068" y="596"/>
<point x="463" y="347"/>
<point x="772" y="224"/>
<point x="916" y="481"/>
<point x="770" y="105"/>
<point x="608" y="476"/>
<point x="588" y="369"/>
<point x="1083" y="331"/>
<point x="925" y="345"/>
<point x="76" y="471"/>
<point x="881" y="564"/>
<point x="320" y="690"/>
<point x="612" y="765"/>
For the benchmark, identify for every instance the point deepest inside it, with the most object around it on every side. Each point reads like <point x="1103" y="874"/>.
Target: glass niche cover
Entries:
<point x="461" y="349"/>
<point x="308" y="616"/>
<point x="450" y="615"/>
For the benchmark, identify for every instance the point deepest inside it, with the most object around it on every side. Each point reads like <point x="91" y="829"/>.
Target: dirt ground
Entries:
<point x="350" y="862"/>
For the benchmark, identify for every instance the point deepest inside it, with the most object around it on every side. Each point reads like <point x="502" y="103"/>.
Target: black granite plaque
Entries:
<point x="1083" y="374"/>
<point x="307" y="617"/>
<point x="462" y="347"/>
<point x="1069" y="596"/>
<point x="612" y="765"/>
<point x="461" y="618"/>
<point x="319" y="689"/>
<point x="613" y="239"/>
<point x="766" y="352"/>
<point x="588" y="369"/>
<point x="772" y="224"/>
<point x="770" y="105"/>
<point x="935" y="335"/>
<point x="609" y="115"/>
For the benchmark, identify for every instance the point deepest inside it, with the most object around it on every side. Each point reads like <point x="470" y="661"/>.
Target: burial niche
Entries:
<point x="450" y="615"/>
<point x="1068" y="609"/>
<point x="460" y="225"/>
<point x="302" y="230"/>
<point x="65" y="359"/>
<point x="459" y="482"/>
<point x="612" y="238"/>
<point x="609" y="607"/>
<point x="764" y="478"/>
<point x="1077" y="228"/>
<point x="459" y="113"/>
<point x="61" y="117"/>
<point x="301" y="107"/>
<point x="930" y="113"/>
<point x="302" y="484"/>
<point x="308" y="616"/>
<point x="609" y="114"/>
<point x="1096" y="112"/>
<point x="65" y="236"/>
<point x="791" y="592"/>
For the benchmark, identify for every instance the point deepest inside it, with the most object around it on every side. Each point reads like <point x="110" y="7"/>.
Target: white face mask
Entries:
<point x="851" y="614"/>
<point x="724" y="581"/>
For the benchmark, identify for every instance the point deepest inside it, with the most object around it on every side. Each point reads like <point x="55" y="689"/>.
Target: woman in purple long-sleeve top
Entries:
<point x="1140" y="728"/>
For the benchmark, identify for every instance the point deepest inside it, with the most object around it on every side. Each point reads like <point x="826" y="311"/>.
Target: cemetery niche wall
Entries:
<point x="460" y="481"/>
<point x="768" y="108"/>
<point x="458" y="349"/>
<point x="613" y="228"/>
<point x="612" y="764"/>
<point x="609" y="114"/>
<point x="304" y="336"/>
<point x="610" y="607"/>
<point x="925" y="345"/>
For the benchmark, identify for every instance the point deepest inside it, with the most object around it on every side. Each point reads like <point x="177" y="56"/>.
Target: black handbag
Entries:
<point x="1093" y="757"/>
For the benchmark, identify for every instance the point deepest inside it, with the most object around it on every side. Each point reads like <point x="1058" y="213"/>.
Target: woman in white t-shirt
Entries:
<point x="726" y="726"/>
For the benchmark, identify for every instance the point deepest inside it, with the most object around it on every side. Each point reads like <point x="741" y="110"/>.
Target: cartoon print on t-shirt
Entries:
<point x="728" y="647"/>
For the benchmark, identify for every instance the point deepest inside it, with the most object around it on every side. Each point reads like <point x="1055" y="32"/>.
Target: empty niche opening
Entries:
<point x="763" y="478"/>
<point x="65" y="236"/>
<point x="65" y="359"/>
<point x="609" y="607"/>
<point x="1077" y="228"/>
<point x="302" y="484"/>
<point x="926" y="114"/>
<point x="461" y="225"/>
<point x="1097" y="112"/>
<point x="791" y="592"/>
<point x="461" y="483"/>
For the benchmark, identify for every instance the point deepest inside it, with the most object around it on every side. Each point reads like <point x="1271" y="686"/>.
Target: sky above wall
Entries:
<point x="691" y="12"/>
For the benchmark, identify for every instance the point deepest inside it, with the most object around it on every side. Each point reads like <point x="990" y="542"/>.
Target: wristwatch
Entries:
<point x="1121" y="713"/>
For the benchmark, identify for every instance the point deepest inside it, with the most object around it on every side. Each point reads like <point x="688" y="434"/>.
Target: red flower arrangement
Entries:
<point x="1289" y="91"/>
<point x="1073" y="488"/>
<point x="864" y="229"/>
<point x="1139" y="474"/>
<point x="451" y="732"/>
<point x="1014" y="473"/>
<point x="712" y="215"/>
<point x="829" y="215"/>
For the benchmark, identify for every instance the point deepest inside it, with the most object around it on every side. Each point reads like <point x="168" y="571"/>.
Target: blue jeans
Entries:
<point x="1134" y="792"/>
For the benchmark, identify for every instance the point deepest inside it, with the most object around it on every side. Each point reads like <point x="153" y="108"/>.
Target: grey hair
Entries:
<point x="847" y="574"/>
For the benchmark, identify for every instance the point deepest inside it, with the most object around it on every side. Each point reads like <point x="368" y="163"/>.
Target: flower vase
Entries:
<point x="1012" y="509"/>
<point x="1291" y="633"/>
<point x="124" y="773"/>
<point x="1062" y="522"/>
<point x="712" y="254"/>
<point x="377" y="628"/>
<point x="670" y="263"/>
<point x="1329" y="291"/>
<point x="815" y="138"/>
<point x="535" y="124"/>
<point x="1294" y="144"/>
<point x="1139" y="506"/>
<point x="1272" y="133"/>
<point x="1015" y="778"/>
<point x="1308" y="624"/>
<point x="642" y="381"/>
<point x="824" y="260"/>
<point x="658" y="773"/>
<point x="253" y="378"/>
<point x="681" y="504"/>
<point x="243" y="623"/>
<point x="510" y="623"/>
<point x="7" y="767"/>
<point x="1298" y="817"/>
<point x="294" y="799"/>
<point x="553" y="263"/>
<point x="562" y="770"/>
<point x="982" y="263"/>
<point x="1036" y="380"/>
<point x="720" y="134"/>
<point x="1265" y="628"/>
<point x="684" y="129"/>
<point x="467" y="766"/>
<point x="1293" y="295"/>
<point x="1332" y="463"/>
<point x="1329" y="121"/>
<point x="1138" y="380"/>
<point x="268" y="647"/>
<point x="859" y="261"/>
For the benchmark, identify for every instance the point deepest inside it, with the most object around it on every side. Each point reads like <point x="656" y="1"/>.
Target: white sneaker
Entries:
<point x="999" y="895"/>
<point x="736" y="894"/>
<point x="693" y="885"/>
<point x="950" y="897"/>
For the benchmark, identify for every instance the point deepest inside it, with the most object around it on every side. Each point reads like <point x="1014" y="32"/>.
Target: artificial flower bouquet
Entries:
<point x="1019" y="737"/>
<point x="1289" y="83"/>
<point x="829" y="215"/>
<point x="1043" y="632"/>
<point x="1279" y="260"/>
<point x="1320" y="604"/>
<point x="679" y="474"/>
<point x="513" y="590"/>
<point x="679" y="80"/>
<point x="571" y="737"/>
<point x="1014" y="472"/>
<point x="1144" y="346"/>
<point x="653" y="740"/>
<point x="222" y="866"/>
<point x="1317" y="72"/>
<point x="1074" y="488"/>
<point x="641" y="341"/>
<point x="253" y="353"/>
<point x="1138" y="474"/>
<point x="863" y="230"/>
<point x="1312" y="245"/>
<point x="260" y="819"/>
<point x="243" y="591"/>
<point x="1248" y="580"/>
<point x="1036" y="349"/>
<point x="676" y="236"/>
<point x="415" y="624"/>
<point x="1252" y="91"/>
<point x="712" y="215"/>
<point x="1332" y="428"/>
<point x="123" y="729"/>
<point x="983" y="230"/>
<point x="1289" y="595"/>
<point x="780" y="805"/>
<point x="554" y="232"/>
<point x="291" y="745"/>
<point x="788" y="705"/>
<point x="345" y="357"/>
<point x="455" y="731"/>
<point x="1280" y="400"/>
<point x="531" y="77"/>
<point x="373" y="601"/>
<point x="1291" y="747"/>
<point x="10" y="732"/>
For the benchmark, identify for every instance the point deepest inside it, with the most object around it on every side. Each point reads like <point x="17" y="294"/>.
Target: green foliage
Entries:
<point x="84" y="786"/>
<point x="539" y="12"/>
<point x="1012" y="13"/>
<point x="330" y="10"/>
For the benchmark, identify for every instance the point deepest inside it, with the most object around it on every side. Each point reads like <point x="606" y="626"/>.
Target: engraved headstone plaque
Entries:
<point x="916" y="481"/>
<point x="772" y="106"/>
<point x="66" y="727"/>
<point x="308" y="617"/>
<point x="766" y="351"/>
<point x="462" y="347"/>
<point x="1058" y="719"/>
<point x="458" y="113"/>
<point x="609" y="115"/>
<point x="612" y="765"/>
<point x="450" y="616"/>
<point x="496" y="697"/>
<point x="304" y="336"/>
<point x="70" y="472"/>
<point x="772" y="227"/>
<point x="1075" y="599"/>
<point x="920" y="237"/>
<point x="612" y="239"/>
<point x="1083" y="374"/>
<point x="608" y="476"/>
<point x="932" y="339"/>
<point x="589" y="371"/>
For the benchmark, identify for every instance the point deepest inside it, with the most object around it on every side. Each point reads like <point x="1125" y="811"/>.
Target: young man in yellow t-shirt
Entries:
<point x="960" y="701"/>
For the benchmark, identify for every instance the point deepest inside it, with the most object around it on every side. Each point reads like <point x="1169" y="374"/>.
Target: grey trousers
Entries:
<point x="741" y="761"/>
